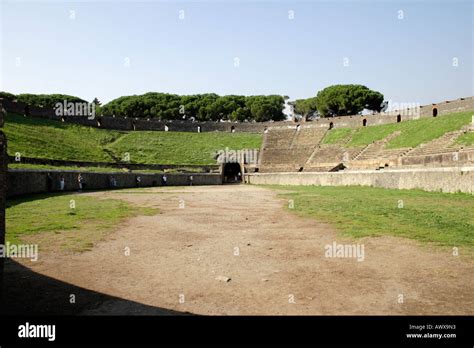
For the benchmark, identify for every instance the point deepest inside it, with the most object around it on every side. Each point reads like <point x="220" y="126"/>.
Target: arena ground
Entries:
<point x="180" y="261"/>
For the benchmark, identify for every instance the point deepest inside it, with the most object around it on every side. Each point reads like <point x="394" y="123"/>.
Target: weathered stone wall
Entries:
<point x="449" y="106"/>
<point x="433" y="179"/>
<point x="22" y="109"/>
<point x="450" y="159"/>
<point x="24" y="182"/>
<point x="119" y="123"/>
<point x="138" y="124"/>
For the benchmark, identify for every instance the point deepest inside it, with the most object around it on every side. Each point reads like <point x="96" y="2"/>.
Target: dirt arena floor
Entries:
<point x="236" y="250"/>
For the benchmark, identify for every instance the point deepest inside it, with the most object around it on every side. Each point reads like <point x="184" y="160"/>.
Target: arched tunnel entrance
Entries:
<point x="232" y="173"/>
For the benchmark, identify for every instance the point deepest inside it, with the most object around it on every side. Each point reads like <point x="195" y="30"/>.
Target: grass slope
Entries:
<point x="181" y="147"/>
<point x="466" y="139"/>
<point x="51" y="218"/>
<point x="54" y="140"/>
<point x="413" y="133"/>
<point x="33" y="137"/>
<point x="430" y="217"/>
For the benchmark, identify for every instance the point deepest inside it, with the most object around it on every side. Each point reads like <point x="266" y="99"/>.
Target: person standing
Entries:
<point x="61" y="182"/>
<point x="80" y="181"/>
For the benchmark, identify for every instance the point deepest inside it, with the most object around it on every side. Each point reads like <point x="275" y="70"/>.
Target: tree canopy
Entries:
<point x="335" y="100"/>
<point x="305" y="107"/>
<point x="340" y="100"/>
<point x="201" y="107"/>
<point x="6" y="95"/>
<point x="47" y="100"/>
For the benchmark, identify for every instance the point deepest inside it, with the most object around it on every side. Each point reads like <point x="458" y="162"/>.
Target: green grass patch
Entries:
<point x="337" y="135"/>
<point x="75" y="229"/>
<point x="181" y="147"/>
<point x="367" y="135"/>
<point x="466" y="139"/>
<point x="428" y="129"/>
<point x="413" y="133"/>
<point x="40" y="138"/>
<point x="429" y="217"/>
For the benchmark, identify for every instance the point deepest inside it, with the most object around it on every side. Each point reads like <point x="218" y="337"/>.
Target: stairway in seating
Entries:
<point x="352" y="158"/>
<point x="316" y="148"/>
<point x="294" y="140"/>
<point x="376" y="149"/>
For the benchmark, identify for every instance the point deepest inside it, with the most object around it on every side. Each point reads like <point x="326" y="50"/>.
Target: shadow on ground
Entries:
<point x="29" y="293"/>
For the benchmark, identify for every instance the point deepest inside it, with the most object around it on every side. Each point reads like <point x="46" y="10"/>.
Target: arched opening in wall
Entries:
<point x="331" y="125"/>
<point x="265" y="130"/>
<point x="435" y="112"/>
<point x="166" y="128"/>
<point x="364" y="122"/>
<point x="133" y="126"/>
<point x="232" y="129"/>
<point x="232" y="173"/>
<point x="99" y="124"/>
<point x="298" y="127"/>
<point x="399" y="118"/>
<point x="199" y="129"/>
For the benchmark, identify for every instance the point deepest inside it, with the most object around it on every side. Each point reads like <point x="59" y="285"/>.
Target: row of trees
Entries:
<point x="340" y="100"/>
<point x="42" y="100"/>
<point x="201" y="107"/>
<point x="337" y="100"/>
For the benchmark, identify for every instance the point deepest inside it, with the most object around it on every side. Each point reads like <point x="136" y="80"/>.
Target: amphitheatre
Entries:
<point x="245" y="235"/>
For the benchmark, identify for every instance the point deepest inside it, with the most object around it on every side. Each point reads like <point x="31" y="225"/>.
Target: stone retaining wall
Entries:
<point x="433" y="179"/>
<point x="24" y="182"/>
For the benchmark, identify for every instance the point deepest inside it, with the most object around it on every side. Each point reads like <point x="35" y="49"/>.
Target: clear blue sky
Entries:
<point x="43" y="50"/>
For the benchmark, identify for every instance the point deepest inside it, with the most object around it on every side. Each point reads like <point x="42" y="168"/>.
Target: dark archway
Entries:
<point x="331" y="125"/>
<point x="99" y="124"/>
<point x="232" y="129"/>
<point x="232" y="173"/>
<point x="134" y="126"/>
<point x="364" y="122"/>
<point x="435" y="112"/>
<point x="399" y="118"/>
